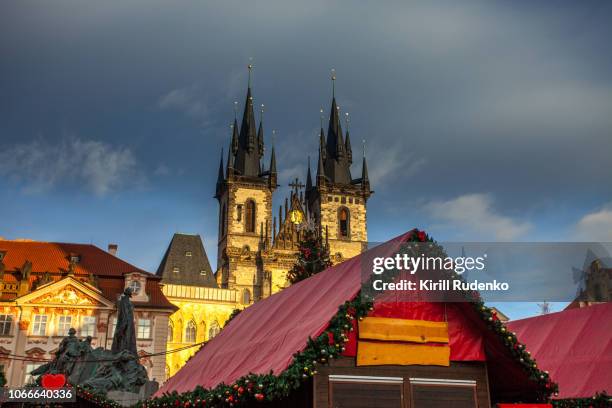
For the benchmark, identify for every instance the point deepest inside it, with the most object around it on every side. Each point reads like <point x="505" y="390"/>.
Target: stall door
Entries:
<point x="351" y="391"/>
<point x="436" y="393"/>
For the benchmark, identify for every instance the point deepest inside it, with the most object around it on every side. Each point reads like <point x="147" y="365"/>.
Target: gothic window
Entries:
<point x="246" y="297"/>
<point x="5" y="324"/>
<point x="170" y="332"/>
<point x="250" y="216"/>
<point x="343" y="222"/>
<point x="190" y="332"/>
<point x="214" y="330"/>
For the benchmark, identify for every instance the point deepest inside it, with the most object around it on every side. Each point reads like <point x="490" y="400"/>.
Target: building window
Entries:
<point x="246" y="297"/>
<point x="29" y="368"/>
<point x="343" y="222"/>
<point x="175" y="269"/>
<point x="203" y="272"/>
<point x="190" y="332"/>
<point x="135" y="286"/>
<point x="39" y="326"/>
<point x="170" y="332"/>
<point x="88" y="326"/>
<point x="188" y="253"/>
<point x="250" y="216"/>
<point x="63" y="325"/>
<point x="214" y="330"/>
<point x="5" y="324"/>
<point x="144" y="329"/>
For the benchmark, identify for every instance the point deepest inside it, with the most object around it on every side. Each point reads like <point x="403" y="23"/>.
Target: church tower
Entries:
<point x="244" y="191"/>
<point x="337" y="201"/>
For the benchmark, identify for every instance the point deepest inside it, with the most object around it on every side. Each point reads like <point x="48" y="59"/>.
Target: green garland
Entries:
<point x="269" y="387"/>
<point x="95" y="398"/>
<point x="599" y="400"/>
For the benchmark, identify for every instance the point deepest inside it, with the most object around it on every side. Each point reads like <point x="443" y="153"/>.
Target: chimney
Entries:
<point x="112" y="249"/>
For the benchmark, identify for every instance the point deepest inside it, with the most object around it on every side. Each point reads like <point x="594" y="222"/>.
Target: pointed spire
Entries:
<point x="320" y="170"/>
<point x="234" y="147"/>
<point x="272" y="174"/>
<point x="220" y="177"/>
<point x="347" y="143"/>
<point x="230" y="164"/>
<point x="365" y="181"/>
<point x="335" y="160"/>
<point x="260" y="134"/>
<point x="247" y="155"/>
<point x="308" y="179"/>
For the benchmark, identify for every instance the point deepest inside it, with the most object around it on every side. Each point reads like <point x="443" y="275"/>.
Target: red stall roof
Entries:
<point x="574" y="345"/>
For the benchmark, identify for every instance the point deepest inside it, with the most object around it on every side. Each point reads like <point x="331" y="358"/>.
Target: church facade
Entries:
<point x="257" y="243"/>
<point x="256" y="246"/>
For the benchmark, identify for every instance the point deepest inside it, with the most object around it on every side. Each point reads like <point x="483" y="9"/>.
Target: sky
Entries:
<point x="482" y="120"/>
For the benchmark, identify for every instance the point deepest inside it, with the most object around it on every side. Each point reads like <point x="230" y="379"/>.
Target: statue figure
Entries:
<point x="101" y="370"/>
<point x="125" y="334"/>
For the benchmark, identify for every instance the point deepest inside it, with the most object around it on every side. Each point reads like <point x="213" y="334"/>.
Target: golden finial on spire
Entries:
<point x="236" y="110"/>
<point x="273" y="136"/>
<point x="363" y="141"/>
<point x="261" y="111"/>
<point x="321" y="117"/>
<point x="346" y="115"/>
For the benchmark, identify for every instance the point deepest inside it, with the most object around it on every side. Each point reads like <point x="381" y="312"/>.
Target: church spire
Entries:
<point x="247" y="162"/>
<point x="308" y="178"/>
<point x="220" y="177"/>
<point x="365" y="181"/>
<point x="337" y="165"/>
<point x="347" y="143"/>
<point x="260" y="134"/>
<point x="272" y="175"/>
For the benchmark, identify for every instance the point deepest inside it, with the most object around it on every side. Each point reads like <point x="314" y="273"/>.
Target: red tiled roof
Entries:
<point x="55" y="257"/>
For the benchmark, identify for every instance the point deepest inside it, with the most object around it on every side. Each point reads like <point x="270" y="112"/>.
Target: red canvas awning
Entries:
<point x="574" y="345"/>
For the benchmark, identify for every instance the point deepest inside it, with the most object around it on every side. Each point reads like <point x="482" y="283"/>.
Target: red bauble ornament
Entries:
<point x="240" y="390"/>
<point x="259" y="397"/>
<point x="421" y="235"/>
<point x="187" y="404"/>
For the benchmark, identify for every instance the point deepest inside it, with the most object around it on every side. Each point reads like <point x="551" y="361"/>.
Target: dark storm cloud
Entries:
<point x="504" y="103"/>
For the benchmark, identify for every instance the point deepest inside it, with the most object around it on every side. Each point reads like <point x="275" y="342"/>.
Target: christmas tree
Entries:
<point x="312" y="257"/>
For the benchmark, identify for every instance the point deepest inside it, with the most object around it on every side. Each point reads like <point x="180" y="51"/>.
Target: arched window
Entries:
<point x="246" y="297"/>
<point x="223" y="219"/>
<point x="344" y="222"/>
<point x="214" y="330"/>
<point x="170" y="332"/>
<point x="249" y="215"/>
<point x="190" y="332"/>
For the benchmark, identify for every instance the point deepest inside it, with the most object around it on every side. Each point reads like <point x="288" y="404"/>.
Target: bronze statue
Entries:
<point x="125" y="334"/>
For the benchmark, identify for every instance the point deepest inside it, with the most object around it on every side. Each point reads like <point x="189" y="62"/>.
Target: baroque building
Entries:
<point x="46" y="288"/>
<point x="256" y="245"/>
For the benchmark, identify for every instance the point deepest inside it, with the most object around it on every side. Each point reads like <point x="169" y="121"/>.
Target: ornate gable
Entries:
<point x="66" y="292"/>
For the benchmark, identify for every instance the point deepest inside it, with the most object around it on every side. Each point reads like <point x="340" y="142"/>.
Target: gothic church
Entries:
<point x="256" y="247"/>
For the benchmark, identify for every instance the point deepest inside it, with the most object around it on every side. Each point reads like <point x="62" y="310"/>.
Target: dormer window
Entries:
<point x="176" y="269"/>
<point x="188" y="253"/>
<point x="75" y="258"/>
<point x="135" y="286"/>
<point x="203" y="272"/>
